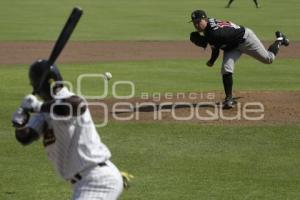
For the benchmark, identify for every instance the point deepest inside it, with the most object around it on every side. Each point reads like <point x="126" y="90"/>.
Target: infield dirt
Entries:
<point x="91" y="52"/>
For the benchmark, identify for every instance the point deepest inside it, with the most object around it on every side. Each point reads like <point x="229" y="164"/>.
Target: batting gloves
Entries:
<point x="31" y="103"/>
<point x="20" y="118"/>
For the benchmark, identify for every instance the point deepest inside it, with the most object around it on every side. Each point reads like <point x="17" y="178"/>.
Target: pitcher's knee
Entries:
<point x="269" y="59"/>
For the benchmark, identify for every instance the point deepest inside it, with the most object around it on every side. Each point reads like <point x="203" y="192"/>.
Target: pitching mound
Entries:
<point x="252" y="108"/>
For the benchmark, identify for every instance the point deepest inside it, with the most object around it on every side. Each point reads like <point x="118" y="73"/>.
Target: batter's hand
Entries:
<point x="209" y="63"/>
<point x="20" y="118"/>
<point x="127" y="178"/>
<point x="31" y="104"/>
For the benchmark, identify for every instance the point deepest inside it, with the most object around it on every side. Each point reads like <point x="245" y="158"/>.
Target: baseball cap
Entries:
<point x="198" y="15"/>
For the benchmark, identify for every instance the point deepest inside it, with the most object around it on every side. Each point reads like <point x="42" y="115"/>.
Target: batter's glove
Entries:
<point x="20" y="118"/>
<point x="127" y="178"/>
<point x="31" y="104"/>
<point x="199" y="40"/>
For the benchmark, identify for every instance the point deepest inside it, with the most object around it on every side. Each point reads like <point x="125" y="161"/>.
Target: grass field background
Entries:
<point x="140" y="19"/>
<point x="172" y="161"/>
<point x="169" y="161"/>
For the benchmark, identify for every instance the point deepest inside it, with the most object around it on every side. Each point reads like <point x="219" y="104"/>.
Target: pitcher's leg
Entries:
<point x="229" y="59"/>
<point x="281" y="40"/>
<point x="254" y="48"/>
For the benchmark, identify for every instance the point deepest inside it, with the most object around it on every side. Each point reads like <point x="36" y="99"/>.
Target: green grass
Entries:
<point x="184" y="161"/>
<point x="189" y="162"/>
<point x="26" y="172"/>
<point x="170" y="161"/>
<point x="140" y="19"/>
<point x="162" y="77"/>
<point x="176" y="161"/>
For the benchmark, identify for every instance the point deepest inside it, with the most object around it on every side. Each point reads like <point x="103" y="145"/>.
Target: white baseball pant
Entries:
<point x="99" y="183"/>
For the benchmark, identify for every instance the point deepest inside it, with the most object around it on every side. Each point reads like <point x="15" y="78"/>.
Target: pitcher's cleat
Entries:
<point x="282" y="38"/>
<point x="229" y="103"/>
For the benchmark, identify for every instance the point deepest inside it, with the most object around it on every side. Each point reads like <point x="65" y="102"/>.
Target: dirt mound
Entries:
<point x="252" y="108"/>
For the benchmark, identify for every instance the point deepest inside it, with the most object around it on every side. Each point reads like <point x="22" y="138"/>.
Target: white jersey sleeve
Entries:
<point x="38" y="123"/>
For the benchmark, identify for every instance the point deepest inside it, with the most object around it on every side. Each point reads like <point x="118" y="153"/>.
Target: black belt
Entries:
<point x="78" y="177"/>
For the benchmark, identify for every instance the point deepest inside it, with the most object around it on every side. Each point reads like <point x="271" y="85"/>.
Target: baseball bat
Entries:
<point x="65" y="34"/>
<point x="62" y="39"/>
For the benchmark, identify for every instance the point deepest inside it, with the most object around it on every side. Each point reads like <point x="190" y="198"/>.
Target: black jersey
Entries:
<point x="223" y="34"/>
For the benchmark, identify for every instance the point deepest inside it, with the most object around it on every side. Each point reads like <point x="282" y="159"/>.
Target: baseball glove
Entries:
<point x="199" y="40"/>
<point x="127" y="178"/>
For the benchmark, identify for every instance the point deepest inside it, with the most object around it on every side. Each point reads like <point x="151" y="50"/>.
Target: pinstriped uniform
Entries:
<point x="74" y="146"/>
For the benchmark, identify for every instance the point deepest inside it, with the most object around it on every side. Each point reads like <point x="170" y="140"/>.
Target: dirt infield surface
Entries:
<point x="90" y="52"/>
<point x="263" y="107"/>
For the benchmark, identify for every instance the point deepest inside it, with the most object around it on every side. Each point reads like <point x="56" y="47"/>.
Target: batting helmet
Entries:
<point x="42" y="77"/>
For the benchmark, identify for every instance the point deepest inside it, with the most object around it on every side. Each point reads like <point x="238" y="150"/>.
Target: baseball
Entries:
<point x="108" y="75"/>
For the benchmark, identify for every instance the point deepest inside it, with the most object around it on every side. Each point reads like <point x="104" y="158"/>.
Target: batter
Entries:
<point x="72" y="143"/>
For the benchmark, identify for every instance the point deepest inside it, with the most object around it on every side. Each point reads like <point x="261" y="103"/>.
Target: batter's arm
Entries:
<point x="26" y="135"/>
<point x="20" y="120"/>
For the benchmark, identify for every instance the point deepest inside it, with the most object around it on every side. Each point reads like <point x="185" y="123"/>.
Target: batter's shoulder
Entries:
<point x="77" y="103"/>
<point x="72" y="105"/>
